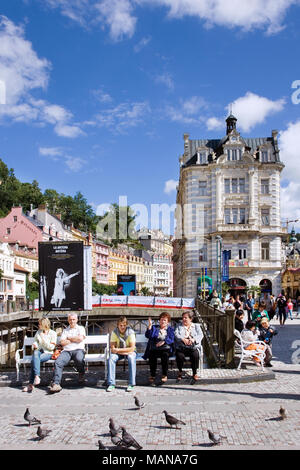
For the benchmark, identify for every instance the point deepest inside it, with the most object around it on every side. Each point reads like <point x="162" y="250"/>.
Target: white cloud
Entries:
<point x="289" y="144"/>
<point x="165" y="79"/>
<point x="188" y="111"/>
<point x="72" y="163"/>
<point x="141" y="44"/>
<point x="253" y="109"/>
<point x="102" y="96"/>
<point x="23" y="71"/>
<point x="170" y="186"/>
<point x="247" y="15"/>
<point x="123" y="116"/>
<point x="214" y="123"/>
<point x="51" y="151"/>
<point x="117" y="14"/>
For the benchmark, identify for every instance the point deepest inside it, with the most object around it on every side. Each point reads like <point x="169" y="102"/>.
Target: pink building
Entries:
<point x="16" y="227"/>
<point x="102" y="252"/>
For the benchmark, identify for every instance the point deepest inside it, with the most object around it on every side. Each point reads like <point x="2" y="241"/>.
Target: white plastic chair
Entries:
<point x="250" y="353"/>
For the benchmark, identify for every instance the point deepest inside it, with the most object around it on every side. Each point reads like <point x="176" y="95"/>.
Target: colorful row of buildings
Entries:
<point x="20" y="234"/>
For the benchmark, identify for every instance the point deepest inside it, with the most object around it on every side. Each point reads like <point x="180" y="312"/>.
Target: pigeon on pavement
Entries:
<point x="31" y="419"/>
<point x="282" y="413"/>
<point x="172" y="421"/>
<point x="215" y="438"/>
<point x="128" y="440"/>
<point x="115" y="439"/>
<point x="138" y="403"/>
<point x="112" y="427"/>
<point x="102" y="446"/>
<point x="42" y="433"/>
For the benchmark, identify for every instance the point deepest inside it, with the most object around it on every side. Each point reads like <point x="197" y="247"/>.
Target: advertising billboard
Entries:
<point x="126" y="284"/>
<point x="61" y="275"/>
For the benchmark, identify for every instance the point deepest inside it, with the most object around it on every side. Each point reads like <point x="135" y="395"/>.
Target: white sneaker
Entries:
<point x="37" y="380"/>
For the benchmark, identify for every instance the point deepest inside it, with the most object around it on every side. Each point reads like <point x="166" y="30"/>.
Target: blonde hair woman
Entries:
<point x="43" y="347"/>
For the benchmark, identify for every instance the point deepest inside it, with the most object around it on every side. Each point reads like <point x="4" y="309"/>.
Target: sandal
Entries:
<point x="179" y="377"/>
<point x="164" y="378"/>
<point x="28" y="388"/>
<point x="151" y="380"/>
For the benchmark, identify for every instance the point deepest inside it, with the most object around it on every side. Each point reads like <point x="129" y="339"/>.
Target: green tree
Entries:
<point x="32" y="287"/>
<point x="9" y="189"/>
<point x="117" y="226"/>
<point x="29" y="194"/>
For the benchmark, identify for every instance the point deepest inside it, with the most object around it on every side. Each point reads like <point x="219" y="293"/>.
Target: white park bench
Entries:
<point x="142" y="340"/>
<point x="250" y="353"/>
<point x="23" y="356"/>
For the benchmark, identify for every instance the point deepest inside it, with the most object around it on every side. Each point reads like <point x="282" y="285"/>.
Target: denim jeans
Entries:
<point x="64" y="358"/>
<point x="111" y="365"/>
<point x="37" y="358"/>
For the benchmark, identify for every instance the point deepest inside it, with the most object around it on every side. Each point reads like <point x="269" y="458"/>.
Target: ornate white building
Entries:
<point x="228" y="198"/>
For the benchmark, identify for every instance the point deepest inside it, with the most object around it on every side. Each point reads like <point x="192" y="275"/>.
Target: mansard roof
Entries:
<point x="217" y="146"/>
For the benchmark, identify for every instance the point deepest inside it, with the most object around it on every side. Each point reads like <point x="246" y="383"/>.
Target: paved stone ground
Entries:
<point x="246" y="413"/>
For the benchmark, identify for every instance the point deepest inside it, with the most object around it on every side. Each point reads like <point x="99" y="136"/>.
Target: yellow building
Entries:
<point x="136" y="266"/>
<point x="290" y="282"/>
<point x="118" y="264"/>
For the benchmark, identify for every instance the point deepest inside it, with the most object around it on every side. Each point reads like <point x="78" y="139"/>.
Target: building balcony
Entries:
<point x="238" y="228"/>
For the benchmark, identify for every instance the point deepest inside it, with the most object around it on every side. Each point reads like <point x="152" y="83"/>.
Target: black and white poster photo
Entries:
<point x="61" y="275"/>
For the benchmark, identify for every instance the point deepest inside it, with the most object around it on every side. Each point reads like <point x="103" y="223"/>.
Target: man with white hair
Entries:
<point x="72" y="340"/>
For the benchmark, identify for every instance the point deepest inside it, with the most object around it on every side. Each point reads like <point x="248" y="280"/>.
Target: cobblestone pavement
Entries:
<point x="246" y="413"/>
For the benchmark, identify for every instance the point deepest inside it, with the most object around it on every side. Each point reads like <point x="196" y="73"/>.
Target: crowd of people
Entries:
<point x="253" y="316"/>
<point x="164" y="341"/>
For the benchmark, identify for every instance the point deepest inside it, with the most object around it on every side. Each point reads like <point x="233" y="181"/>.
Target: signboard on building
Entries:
<point x="126" y="284"/>
<point x="225" y="270"/>
<point x="61" y="275"/>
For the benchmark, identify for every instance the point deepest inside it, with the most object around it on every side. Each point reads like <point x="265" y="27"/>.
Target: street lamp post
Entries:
<point x="219" y="264"/>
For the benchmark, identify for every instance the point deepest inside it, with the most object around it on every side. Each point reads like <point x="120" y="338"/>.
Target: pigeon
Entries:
<point x="30" y="419"/>
<point x="282" y="413"/>
<point x="215" y="438"/>
<point x="112" y="427"/>
<point x="128" y="440"/>
<point x="172" y="420"/>
<point x="102" y="446"/>
<point x="138" y="403"/>
<point x="115" y="439"/>
<point x="42" y="433"/>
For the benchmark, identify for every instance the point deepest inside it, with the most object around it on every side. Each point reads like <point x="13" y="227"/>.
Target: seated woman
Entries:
<point x="249" y="334"/>
<point x="188" y="338"/>
<point x="160" y="344"/>
<point x="238" y="320"/>
<point x="43" y="347"/>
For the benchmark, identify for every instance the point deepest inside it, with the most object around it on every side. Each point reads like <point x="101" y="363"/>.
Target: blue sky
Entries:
<point x="99" y="93"/>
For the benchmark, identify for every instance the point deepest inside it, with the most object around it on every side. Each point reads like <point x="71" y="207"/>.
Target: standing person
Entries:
<point x="160" y="344"/>
<point x="290" y="308"/>
<point x="60" y="284"/>
<point x="281" y="305"/>
<point x="273" y="307"/>
<point x="238" y="304"/>
<point x="72" y="340"/>
<point x="43" y="347"/>
<point x="249" y="304"/>
<point x="188" y="338"/>
<point x="122" y="346"/>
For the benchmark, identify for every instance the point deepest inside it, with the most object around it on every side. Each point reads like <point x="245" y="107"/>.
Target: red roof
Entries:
<point x="17" y="267"/>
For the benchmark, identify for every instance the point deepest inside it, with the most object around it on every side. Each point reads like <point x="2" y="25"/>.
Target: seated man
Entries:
<point x="72" y="340"/>
<point x="122" y="346"/>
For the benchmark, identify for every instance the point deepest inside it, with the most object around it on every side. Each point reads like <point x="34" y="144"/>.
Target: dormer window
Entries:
<point x="201" y="158"/>
<point x="264" y="156"/>
<point x="234" y="154"/>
